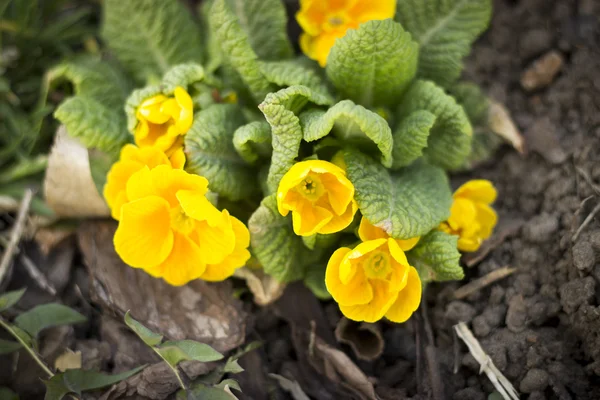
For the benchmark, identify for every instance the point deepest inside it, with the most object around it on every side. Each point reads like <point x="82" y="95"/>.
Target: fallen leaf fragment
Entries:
<point x="68" y="360"/>
<point x="501" y="123"/>
<point x="542" y="72"/>
<point x="265" y="288"/>
<point x="68" y="187"/>
<point x="292" y="387"/>
<point x="364" y="339"/>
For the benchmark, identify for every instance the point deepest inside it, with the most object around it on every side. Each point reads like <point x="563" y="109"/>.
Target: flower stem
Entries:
<point x="32" y="353"/>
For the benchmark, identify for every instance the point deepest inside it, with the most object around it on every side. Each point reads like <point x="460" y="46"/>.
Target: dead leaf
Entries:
<point x="265" y="288"/>
<point x="202" y="311"/>
<point x="68" y="187"/>
<point x="68" y="360"/>
<point x="292" y="387"/>
<point x="501" y="123"/>
<point x="339" y="368"/>
<point x="364" y="339"/>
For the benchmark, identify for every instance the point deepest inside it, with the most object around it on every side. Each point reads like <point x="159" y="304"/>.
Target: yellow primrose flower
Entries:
<point x="319" y="196"/>
<point x="471" y="217"/>
<point x="368" y="231"/>
<point x="163" y="120"/>
<point x="131" y="160"/>
<point x="372" y="281"/>
<point x="170" y="229"/>
<point x="323" y="21"/>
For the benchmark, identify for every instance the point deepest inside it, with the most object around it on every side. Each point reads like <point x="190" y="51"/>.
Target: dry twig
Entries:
<point x="35" y="274"/>
<point x="16" y="233"/>
<point x="482" y="282"/>
<point x="502" y="385"/>
<point x="586" y="222"/>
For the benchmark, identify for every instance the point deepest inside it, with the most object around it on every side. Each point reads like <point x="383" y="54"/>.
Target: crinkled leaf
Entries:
<point x="210" y="152"/>
<point x="445" y="31"/>
<point x="281" y="253"/>
<point x="77" y="381"/>
<point x="237" y="50"/>
<point x="436" y="257"/>
<point x="177" y="351"/>
<point x="214" y="56"/>
<point x="450" y="136"/>
<point x="9" y="299"/>
<point x="473" y="101"/>
<point x="410" y="137"/>
<point x="352" y="124"/>
<point x="95" y="78"/>
<point x="182" y="75"/>
<point x="7" y="394"/>
<point x="253" y="141"/>
<point x="374" y="64"/>
<point x="147" y="336"/>
<point x="265" y="23"/>
<point x="292" y="72"/>
<point x="8" y="346"/>
<point x="315" y="281"/>
<point x="95" y="124"/>
<point x="100" y="164"/>
<point x="280" y="110"/>
<point x="405" y="203"/>
<point x="47" y="315"/>
<point x="149" y="37"/>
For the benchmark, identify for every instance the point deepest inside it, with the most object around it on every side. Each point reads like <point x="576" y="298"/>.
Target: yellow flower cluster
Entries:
<point x="323" y="21"/>
<point x="167" y="226"/>
<point x="471" y="217"/>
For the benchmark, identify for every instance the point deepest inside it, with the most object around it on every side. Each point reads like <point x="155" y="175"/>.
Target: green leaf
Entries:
<point x="7" y="394"/>
<point x="406" y="203"/>
<point x="93" y="123"/>
<point x="265" y="23"/>
<point x="8" y="346"/>
<point x="445" y="31"/>
<point x="292" y="72"/>
<point x="281" y="253"/>
<point x="352" y="124"/>
<point x="237" y="50"/>
<point x="47" y="315"/>
<point x="232" y="366"/>
<point x="149" y="37"/>
<point x="177" y="351"/>
<point x="436" y="257"/>
<point x="410" y="138"/>
<point x="232" y="383"/>
<point x="100" y="164"/>
<point x="9" y="299"/>
<point x="182" y="75"/>
<point x="24" y="336"/>
<point x="473" y="101"/>
<point x="450" y="136"/>
<point x="315" y="281"/>
<point x="253" y="141"/>
<point x="78" y="380"/>
<point x="95" y="78"/>
<point x="147" y="336"/>
<point x="280" y="110"/>
<point x="210" y="152"/>
<point x="374" y="64"/>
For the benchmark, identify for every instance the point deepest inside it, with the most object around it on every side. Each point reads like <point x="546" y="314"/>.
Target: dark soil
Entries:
<point x="540" y="326"/>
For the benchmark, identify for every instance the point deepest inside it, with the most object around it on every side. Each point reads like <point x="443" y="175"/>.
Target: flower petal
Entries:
<point x="237" y="259"/>
<point x="348" y="266"/>
<point x="340" y="191"/>
<point x="177" y="158"/>
<point x="374" y="310"/>
<point x="487" y="218"/>
<point x="366" y="10"/>
<point x="144" y="237"/>
<point x="216" y="242"/>
<point x="116" y="183"/>
<point x="340" y="222"/>
<point x="368" y="231"/>
<point x="478" y="190"/>
<point x="185" y="262"/>
<point x="186" y="113"/>
<point x="408" y="244"/>
<point x="462" y="213"/>
<point x="309" y="219"/>
<point x="150" y="109"/>
<point x="408" y="299"/>
<point x="356" y="291"/>
<point x="196" y="205"/>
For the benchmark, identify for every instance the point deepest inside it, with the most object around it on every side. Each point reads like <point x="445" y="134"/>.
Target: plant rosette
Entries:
<point x="330" y="168"/>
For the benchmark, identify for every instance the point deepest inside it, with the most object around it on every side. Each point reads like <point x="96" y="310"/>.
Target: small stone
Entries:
<point x="459" y="311"/>
<point x="537" y="396"/>
<point x="535" y="42"/>
<point x="516" y="316"/>
<point x="481" y="328"/>
<point x="494" y="315"/>
<point x="577" y="292"/>
<point x="543" y="139"/>
<point x="468" y="394"/>
<point x="583" y="256"/>
<point x="541" y="228"/>
<point x="535" y="380"/>
<point x="595" y="239"/>
<point x="542" y="72"/>
<point x="533" y="358"/>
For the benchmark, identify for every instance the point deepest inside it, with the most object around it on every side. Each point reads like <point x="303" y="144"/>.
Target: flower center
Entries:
<point x="336" y="20"/>
<point x="311" y="188"/>
<point x="180" y="222"/>
<point x="377" y="265"/>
